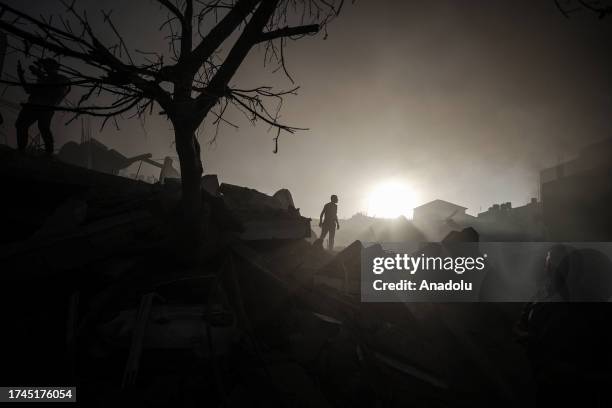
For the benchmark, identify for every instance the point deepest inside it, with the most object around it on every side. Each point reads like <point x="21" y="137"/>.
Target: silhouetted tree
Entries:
<point x="196" y="80"/>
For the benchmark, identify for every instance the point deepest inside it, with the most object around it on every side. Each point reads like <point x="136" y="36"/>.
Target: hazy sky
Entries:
<point x="463" y="101"/>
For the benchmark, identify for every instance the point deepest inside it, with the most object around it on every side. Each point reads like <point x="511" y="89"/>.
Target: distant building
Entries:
<point x="504" y="222"/>
<point x="577" y="196"/>
<point x="501" y="222"/>
<point x="439" y="210"/>
<point x="438" y="217"/>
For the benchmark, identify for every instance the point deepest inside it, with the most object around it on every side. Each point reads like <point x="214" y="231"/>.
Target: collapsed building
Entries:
<point x="262" y="318"/>
<point x="265" y="217"/>
<point x="95" y="155"/>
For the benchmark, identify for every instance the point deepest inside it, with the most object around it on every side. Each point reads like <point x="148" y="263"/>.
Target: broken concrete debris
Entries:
<point x="264" y="217"/>
<point x="244" y="198"/>
<point x="94" y="155"/>
<point x="284" y="197"/>
<point x="263" y="318"/>
<point x="210" y="184"/>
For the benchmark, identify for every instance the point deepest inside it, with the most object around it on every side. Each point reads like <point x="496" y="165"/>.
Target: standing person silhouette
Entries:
<point x="328" y="221"/>
<point x="49" y="90"/>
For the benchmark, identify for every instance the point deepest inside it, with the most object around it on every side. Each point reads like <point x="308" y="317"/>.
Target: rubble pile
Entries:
<point x="263" y="319"/>
<point x="264" y="217"/>
<point x="95" y="155"/>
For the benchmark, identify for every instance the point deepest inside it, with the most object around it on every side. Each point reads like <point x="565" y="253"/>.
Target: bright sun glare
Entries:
<point x="390" y="200"/>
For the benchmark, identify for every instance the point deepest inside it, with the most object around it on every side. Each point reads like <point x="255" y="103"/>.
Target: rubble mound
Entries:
<point x="284" y="197"/>
<point x="261" y="318"/>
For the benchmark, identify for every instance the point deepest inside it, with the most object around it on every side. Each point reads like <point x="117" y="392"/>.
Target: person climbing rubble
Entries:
<point x="44" y="96"/>
<point x="328" y="221"/>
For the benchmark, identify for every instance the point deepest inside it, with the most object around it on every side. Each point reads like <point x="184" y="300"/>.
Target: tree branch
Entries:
<point x="289" y="32"/>
<point x="237" y="54"/>
<point x="138" y="86"/>
<point x="187" y="30"/>
<point x="172" y="8"/>
<point x="222" y="30"/>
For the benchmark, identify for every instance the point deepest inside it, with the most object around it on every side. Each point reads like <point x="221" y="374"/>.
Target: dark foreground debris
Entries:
<point x="95" y="296"/>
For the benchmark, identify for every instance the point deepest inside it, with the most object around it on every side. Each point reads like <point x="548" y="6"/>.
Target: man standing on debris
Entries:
<point x="328" y="221"/>
<point x="50" y="89"/>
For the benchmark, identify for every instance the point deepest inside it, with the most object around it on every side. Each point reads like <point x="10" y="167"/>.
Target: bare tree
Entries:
<point x="196" y="80"/>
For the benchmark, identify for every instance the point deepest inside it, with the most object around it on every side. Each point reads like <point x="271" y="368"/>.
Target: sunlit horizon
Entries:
<point x="391" y="199"/>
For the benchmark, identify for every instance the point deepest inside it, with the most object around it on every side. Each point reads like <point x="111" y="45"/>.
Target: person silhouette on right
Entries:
<point x="328" y="221"/>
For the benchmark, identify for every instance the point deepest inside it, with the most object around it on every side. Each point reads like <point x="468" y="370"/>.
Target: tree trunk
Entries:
<point x="188" y="150"/>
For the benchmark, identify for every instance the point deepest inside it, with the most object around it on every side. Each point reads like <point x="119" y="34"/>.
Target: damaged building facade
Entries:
<point x="503" y="221"/>
<point x="577" y="196"/>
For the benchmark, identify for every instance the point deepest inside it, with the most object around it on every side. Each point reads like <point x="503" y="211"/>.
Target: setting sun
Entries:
<point x="390" y="200"/>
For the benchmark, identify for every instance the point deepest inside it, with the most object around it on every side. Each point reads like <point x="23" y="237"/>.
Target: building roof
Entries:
<point x="440" y="203"/>
<point x="590" y="157"/>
